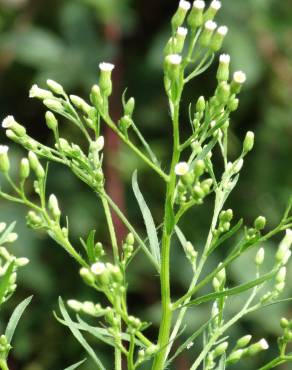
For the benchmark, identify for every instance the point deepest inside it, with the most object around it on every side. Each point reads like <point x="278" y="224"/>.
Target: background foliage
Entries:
<point x="65" y="40"/>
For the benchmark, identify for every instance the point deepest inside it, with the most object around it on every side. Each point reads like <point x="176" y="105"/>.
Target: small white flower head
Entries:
<point x="2" y="226"/>
<point x="281" y="275"/>
<point x="4" y="149"/>
<point x="174" y="59"/>
<point x="216" y="5"/>
<point x="199" y="4"/>
<point x="263" y="344"/>
<point x="260" y="256"/>
<point x="224" y="58"/>
<point x="190" y="345"/>
<point x="288" y="235"/>
<point x="222" y="30"/>
<point x="98" y="268"/>
<point x="106" y="67"/>
<point x="182" y="31"/>
<point x="210" y="25"/>
<point x="185" y="5"/>
<point x="8" y="122"/>
<point x="181" y="169"/>
<point x="286" y="257"/>
<point x="239" y="77"/>
<point x="36" y="92"/>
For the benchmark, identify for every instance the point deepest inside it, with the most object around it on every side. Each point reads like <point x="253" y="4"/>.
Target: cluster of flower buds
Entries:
<point x="5" y="347"/>
<point x="241" y="350"/>
<point x="126" y="120"/>
<point x="190" y="186"/>
<point x="255" y="231"/>
<point x="218" y="351"/>
<point x="224" y="224"/>
<point x="9" y="263"/>
<point x="128" y="248"/>
<point x="88" y="308"/>
<point x="286" y="338"/>
<point x="144" y="354"/>
<point x="219" y="280"/>
<point x="191" y="254"/>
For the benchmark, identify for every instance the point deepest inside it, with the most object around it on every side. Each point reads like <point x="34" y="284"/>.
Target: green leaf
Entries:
<point x="90" y="246"/>
<point x="170" y="217"/>
<point x="233" y="291"/>
<point x="148" y="219"/>
<point x="74" y="366"/>
<point x="15" y="317"/>
<point x="78" y="335"/>
<point x="4" y="281"/>
<point x="182" y="239"/>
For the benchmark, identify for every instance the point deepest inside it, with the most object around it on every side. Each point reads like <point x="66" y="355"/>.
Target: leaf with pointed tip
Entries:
<point x="74" y="366"/>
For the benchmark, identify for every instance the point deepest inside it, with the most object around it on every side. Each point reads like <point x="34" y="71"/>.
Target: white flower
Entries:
<point x="185" y="5"/>
<point x="239" y="77"/>
<point x="106" y="67"/>
<point x="182" y="31"/>
<point x="224" y="58"/>
<point x="8" y="122"/>
<point x="222" y="30"/>
<point x="216" y="5"/>
<point x="100" y="143"/>
<point x="3" y="149"/>
<point x="181" y="169"/>
<point x="174" y="59"/>
<point x="210" y="25"/>
<point x="199" y="4"/>
<point x="36" y="92"/>
<point x="264" y="344"/>
<point x="98" y="268"/>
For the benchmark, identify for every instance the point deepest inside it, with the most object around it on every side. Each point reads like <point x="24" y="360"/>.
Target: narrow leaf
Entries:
<point x="79" y="336"/>
<point x="226" y="236"/>
<point x="148" y="219"/>
<point x="15" y="317"/>
<point x="72" y="367"/>
<point x="233" y="291"/>
<point x="181" y="237"/>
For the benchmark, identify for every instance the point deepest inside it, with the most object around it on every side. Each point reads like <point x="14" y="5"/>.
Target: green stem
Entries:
<point x="164" y="331"/>
<point x="131" y="365"/>
<point x="277" y="361"/>
<point x="3" y="365"/>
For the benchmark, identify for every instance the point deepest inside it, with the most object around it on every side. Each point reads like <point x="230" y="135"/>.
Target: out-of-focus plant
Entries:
<point x="8" y="274"/>
<point x="191" y="177"/>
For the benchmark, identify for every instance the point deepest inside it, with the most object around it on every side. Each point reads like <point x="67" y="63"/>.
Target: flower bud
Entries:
<point x="22" y="261"/>
<point x="195" y="18"/>
<point x="129" y="107"/>
<point x="105" y="81"/>
<point x="223" y="92"/>
<point x="36" y="92"/>
<point x="35" y="165"/>
<point x="87" y="275"/>
<point x="254" y="349"/>
<point x="10" y="123"/>
<point x="260" y="256"/>
<point x="212" y="10"/>
<point x="260" y="223"/>
<point x="12" y="136"/>
<point x="248" y="142"/>
<point x="74" y="305"/>
<point x="24" y="169"/>
<point x="284" y="323"/>
<point x="11" y="238"/>
<point x="207" y="33"/>
<point x="80" y="104"/>
<point x="54" y="206"/>
<point x="33" y="220"/>
<point x="4" y="159"/>
<point x="233" y="104"/>
<point x="51" y="121"/>
<point x="218" y="38"/>
<point x="281" y="275"/>
<point x="130" y="240"/>
<point x="223" y="68"/>
<point x="95" y="97"/>
<point x="172" y="66"/>
<point x="53" y="104"/>
<point x="199" y="168"/>
<point x="201" y="104"/>
<point x="55" y="87"/>
<point x="243" y="341"/>
<point x="2" y="226"/>
<point x="179" y="17"/>
<point x="237" y="166"/>
<point x="284" y="246"/>
<point x="220" y="349"/>
<point x="239" y="79"/>
<point x="180" y="38"/>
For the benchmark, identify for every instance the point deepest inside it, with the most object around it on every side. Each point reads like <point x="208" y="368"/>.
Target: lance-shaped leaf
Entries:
<point x="75" y="366"/>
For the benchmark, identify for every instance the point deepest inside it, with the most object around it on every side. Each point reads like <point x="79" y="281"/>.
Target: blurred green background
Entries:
<point x="65" y="40"/>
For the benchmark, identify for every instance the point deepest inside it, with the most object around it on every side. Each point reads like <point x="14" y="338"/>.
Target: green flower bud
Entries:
<point x="53" y="104"/>
<point x="124" y="123"/>
<point x="260" y="223"/>
<point x="218" y="38"/>
<point x="4" y="159"/>
<point x="248" y="142"/>
<point x="2" y="226"/>
<point x="195" y="18"/>
<point x="198" y="192"/>
<point x="180" y="38"/>
<point x="35" y="165"/>
<point x="74" y="305"/>
<point x="221" y="275"/>
<point x="33" y="220"/>
<point x="223" y="69"/>
<point x="235" y="356"/>
<point x="206" y="186"/>
<point x="95" y="97"/>
<point x="129" y="107"/>
<point x="243" y="341"/>
<point x="199" y="168"/>
<point x="105" y="81"/>
<point x="55" y="87"/>
<point x="130" y="240"/>
<point x="216" y="284"/>
<point x="223" y="92"/>
<point x="12" y="136"/>
<point x="284" y="323"/>
<point x="284" y="246"/>
<point x="260" y="346"/>
<point x="220" y="349"/>
<point x="172" y="66"/>
<point x="24" y="169"/>
<point x="21" y="262"/>
<point x="233" y="104"/>
<point x="281" y="275"/>
<point x="179" y="17"/>
<point x="207" y="33"/>
<point x="80" y="104"/>
<point x="212" y="10"/>
<point x="201" y="104"/>
<point x="239" y="79"/>
<point x="260" y="256"/>
<point x="54" y="206"/>
<point x="87" y="275"/>
<point x="51" y="121"/>
<point x="89" y="308"/>
<point x="10" y="123"/>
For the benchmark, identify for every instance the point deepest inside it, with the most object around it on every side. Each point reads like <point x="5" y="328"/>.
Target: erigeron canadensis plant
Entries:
<point x="190" y="177"/>
<point x="9" y="265"/>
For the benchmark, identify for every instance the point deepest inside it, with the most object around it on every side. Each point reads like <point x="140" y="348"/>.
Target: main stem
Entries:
<point x="164" y="331"/>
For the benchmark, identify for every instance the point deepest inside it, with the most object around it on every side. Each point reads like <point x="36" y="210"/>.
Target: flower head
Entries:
<point x="174" y="59"/>
<point x="222" y="30"/>
<point x="98" y="268"/>
<point x="182" y="31"/>
<point x="8" y="122"/>
<point x="185" y="5"/>
<point x="224" y="58"/>
<point x="181" y="169"/>
<point x="106" y="67"/>
<point x="216" y="5"/>
<point x="199" y="4"/>
<point x="210" y="25"/>
<point x="4" y="149"/>
<point x="239" y="77"/>
<point x="264" y="344"/>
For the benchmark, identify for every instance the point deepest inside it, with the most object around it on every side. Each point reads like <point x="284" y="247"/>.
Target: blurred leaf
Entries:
<point x="75" y="366"/>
